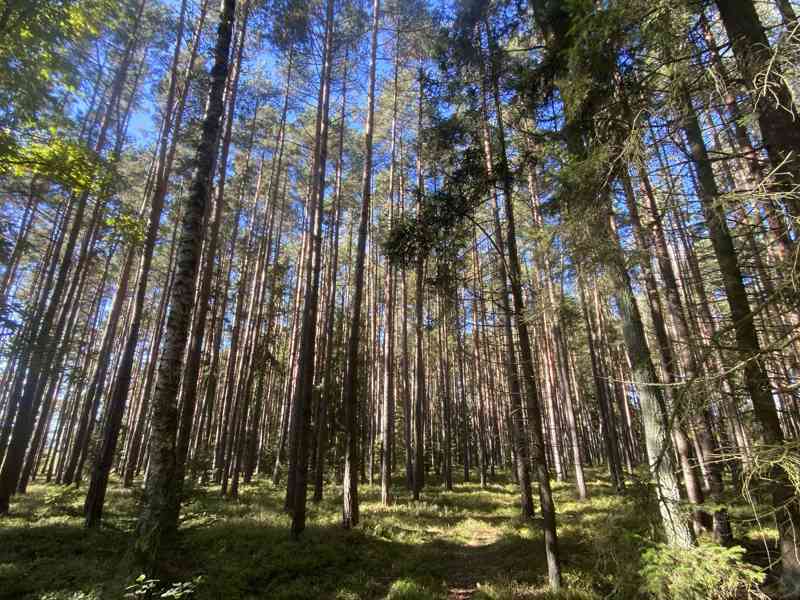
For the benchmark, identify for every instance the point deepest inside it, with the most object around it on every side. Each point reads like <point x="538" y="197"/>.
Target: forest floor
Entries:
<point x="465" y="544"/>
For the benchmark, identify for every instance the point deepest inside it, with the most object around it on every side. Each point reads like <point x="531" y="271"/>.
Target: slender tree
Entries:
<point x="159" y="516"/>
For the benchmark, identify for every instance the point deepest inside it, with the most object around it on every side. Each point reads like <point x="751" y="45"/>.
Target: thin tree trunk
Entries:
<point x="350" y="509"/>
<point x="787" y="513"/>
<point x="303" y="395"/>
<point x="159" y="516"/>
<point x="388" y="409"/>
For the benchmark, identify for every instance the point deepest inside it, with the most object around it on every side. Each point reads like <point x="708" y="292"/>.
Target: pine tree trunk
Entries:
<point x="159" y="516"/>
<point x="303" y="394"/>
<point x="350" y="509"/>
<point x="538" y="454"/>
<point x="774" y="107"/>
<point x="519" y="437"/>
<point x="330" y="320"/>
<point x="756" y="381"/>
<point x="419" y="326"/>
<point x="389" y="284"/>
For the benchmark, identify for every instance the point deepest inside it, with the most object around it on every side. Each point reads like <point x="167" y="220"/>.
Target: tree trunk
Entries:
<point x="787" y="512"/>
<point x="159" y="516"/>
<point x="774" y="107"/>
<point x="419" y="326"/>
<point x="95" y="498"/>
<point x="350" y="509"/>
<point x="389" y="282"/>
<point x="303" y="395"/>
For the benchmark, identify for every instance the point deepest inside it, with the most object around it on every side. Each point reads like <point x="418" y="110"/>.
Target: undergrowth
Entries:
<point x="468" y="541"/>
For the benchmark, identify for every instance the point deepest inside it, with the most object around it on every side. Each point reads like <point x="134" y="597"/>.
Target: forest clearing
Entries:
<point x="400" y="299"/>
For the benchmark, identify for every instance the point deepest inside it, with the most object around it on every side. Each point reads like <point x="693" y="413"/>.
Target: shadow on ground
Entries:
<point x="468" y="543"/>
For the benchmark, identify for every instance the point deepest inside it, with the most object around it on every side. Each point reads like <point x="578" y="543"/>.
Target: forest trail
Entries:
<point x="462" y="582"/>
<point x="467" y="560"/>
<point x="465" y="544"/>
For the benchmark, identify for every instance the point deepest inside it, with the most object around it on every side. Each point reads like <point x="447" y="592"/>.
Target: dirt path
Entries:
<point x="468" y="562"/>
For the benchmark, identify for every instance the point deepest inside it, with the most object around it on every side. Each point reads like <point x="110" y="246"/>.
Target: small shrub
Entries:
<point x="406" y="589"/>
<point x="705" y="572"/>
<point x="63" y="501"/>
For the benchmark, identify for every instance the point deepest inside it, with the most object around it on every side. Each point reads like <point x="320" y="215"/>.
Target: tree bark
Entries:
<point x="350" y="509"/>
<point x="159" y="516"/>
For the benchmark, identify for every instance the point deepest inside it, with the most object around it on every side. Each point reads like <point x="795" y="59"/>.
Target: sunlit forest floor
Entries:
<point x="468" y="543"/>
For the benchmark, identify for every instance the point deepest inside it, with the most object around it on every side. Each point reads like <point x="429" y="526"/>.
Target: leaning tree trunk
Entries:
<point x="673" y="395"/>
<point x="774" y="106"/>
<point x="519" y="436"/>
<point x="192" y="370"/>
<point x="38" y="355"/>
<point x="653" y="410"/>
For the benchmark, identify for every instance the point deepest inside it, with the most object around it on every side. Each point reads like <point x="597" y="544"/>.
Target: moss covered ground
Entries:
<point x="468" y="543"/>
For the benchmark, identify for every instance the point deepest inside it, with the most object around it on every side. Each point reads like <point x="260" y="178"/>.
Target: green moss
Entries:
<point x="468" y="539"/>
<point x="408" y="589"/>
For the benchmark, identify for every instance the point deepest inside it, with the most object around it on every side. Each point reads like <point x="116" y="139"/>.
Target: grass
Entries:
<point x="468" y="543"/>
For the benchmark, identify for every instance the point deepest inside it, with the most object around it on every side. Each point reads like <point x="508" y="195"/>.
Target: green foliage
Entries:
<point x="408" y="589"/>
<point x="43" y="46"/>
<point x="441" y="229"/>
<point x="512" y="590"/>
<point x="469" y="538"/>
<point x="62" y="501"/>
<point x="37" y="53"/>
<point x="130" y="228"/>
<point x="58" y="160"/>
<point x="705" y="572"/>
<point x="583" y="187"/>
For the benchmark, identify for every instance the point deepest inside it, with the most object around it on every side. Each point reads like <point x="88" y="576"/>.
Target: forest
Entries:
<point x="402" y="299"/>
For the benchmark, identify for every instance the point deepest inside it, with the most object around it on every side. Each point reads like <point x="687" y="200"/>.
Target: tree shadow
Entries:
<point x="243" y="548"/>
<point x="243" y="558"/>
